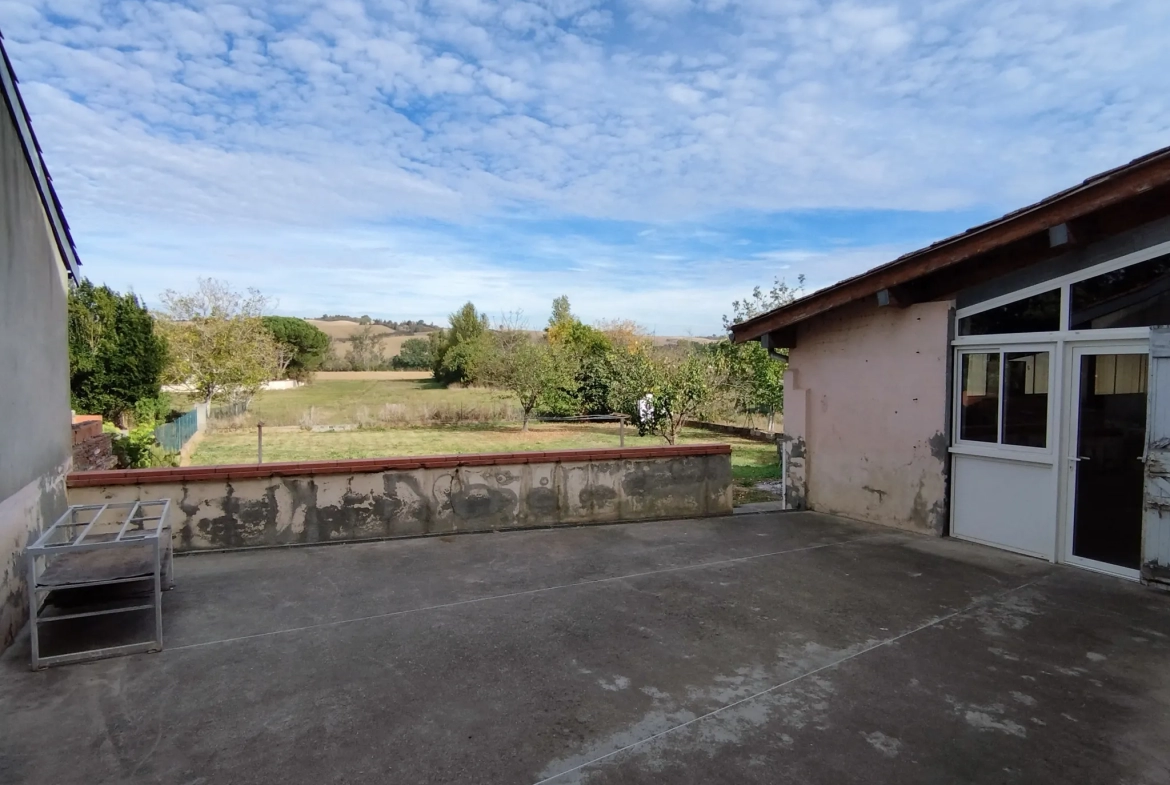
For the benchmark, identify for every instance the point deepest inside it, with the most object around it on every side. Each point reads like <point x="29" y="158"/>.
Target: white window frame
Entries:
<point x="998" y="449"/>
<point x="1064" y="283"/>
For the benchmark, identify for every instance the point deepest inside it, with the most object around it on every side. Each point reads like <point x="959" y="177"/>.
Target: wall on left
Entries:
<point x="35" y="440"/>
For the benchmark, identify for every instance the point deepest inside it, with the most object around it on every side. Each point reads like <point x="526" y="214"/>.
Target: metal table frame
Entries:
<point x="144" y="526"/>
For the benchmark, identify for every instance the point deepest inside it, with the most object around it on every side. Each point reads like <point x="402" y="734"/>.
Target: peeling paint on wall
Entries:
<point x="795" y="489"/>
<point x="23" y="516"/>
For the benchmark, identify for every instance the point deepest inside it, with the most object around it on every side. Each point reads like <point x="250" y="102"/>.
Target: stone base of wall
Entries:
<point x="215" y="507"/>
<point x="23" y="516"/>
<point x="92" y="449"/>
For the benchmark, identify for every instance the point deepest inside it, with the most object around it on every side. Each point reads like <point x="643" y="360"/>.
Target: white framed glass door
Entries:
<point x="1105" y="446"/>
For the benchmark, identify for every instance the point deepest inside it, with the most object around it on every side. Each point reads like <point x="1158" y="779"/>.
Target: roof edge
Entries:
<point x="36" y="164"/>
<point x="885" y="275"/>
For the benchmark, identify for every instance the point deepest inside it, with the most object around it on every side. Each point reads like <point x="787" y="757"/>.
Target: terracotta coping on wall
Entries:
<point x="372" y="465"/>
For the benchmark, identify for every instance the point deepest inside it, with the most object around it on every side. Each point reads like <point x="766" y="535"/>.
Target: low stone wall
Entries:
<point x="324" y="501"/>
<point x="755" y="434"/>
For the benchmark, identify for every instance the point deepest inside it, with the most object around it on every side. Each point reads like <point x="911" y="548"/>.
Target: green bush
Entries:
<point x="154" y="411"/>
<point x="137" y="449"/>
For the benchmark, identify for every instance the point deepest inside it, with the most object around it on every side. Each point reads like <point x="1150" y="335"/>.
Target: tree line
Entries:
<point x="221" y="343"/>
<point x="410" y="326"/>
<point x="572" y="369"/>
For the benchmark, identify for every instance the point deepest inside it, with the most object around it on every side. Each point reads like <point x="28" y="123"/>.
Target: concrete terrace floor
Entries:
<point x="770" y="648"/>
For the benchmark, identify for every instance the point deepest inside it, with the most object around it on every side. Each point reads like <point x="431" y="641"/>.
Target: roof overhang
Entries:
<point x="1102" y="191"/>
<point x="36" y="165"/>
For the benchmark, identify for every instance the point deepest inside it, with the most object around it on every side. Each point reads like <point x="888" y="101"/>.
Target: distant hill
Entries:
<point x="343" y="330"/>
<point x="407" y="326"/>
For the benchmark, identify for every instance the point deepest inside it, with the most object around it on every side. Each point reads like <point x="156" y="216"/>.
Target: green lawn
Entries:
<point x="751" y="461"/>
<point x="419" y="417"/>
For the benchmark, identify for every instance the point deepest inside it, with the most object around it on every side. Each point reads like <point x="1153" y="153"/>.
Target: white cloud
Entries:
<point x="334" y="117"/>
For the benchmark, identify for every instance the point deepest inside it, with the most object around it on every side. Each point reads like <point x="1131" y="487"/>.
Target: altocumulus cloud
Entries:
<point x="652" y="158"/>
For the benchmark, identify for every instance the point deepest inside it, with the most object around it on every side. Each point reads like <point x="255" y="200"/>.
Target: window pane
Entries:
<point x="1025" y="399"/>
<point x="1036" y="314"/>
<point x="979" y="407"/>
<point x="1134" y="296"/>
<point x="1120" y="374"/>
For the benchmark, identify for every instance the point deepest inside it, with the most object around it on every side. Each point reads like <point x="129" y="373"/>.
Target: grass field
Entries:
<point x="385" y="399"/>
<point x="751" y="461"/>
<point x="418" y="417"/>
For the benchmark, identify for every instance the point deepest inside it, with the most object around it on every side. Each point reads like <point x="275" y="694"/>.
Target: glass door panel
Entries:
<point x="1110" y="411"/>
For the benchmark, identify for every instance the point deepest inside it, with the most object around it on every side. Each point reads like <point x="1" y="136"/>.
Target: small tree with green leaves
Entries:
<point x="218" y="342"/>
<point x="453" y="350"/>
<point x="756" y="379"/>
<point x="591" y="349"/>
<point x="116" y="359"/>
<point x="528" y="369"/>
<point x="414" y="355"/>
<point x="661" y="389"/>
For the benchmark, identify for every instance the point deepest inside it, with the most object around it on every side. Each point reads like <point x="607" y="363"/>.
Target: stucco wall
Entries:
<point x="865" y="414"/>
<point x="290" y="503"/>
<point x="35" y="441"/>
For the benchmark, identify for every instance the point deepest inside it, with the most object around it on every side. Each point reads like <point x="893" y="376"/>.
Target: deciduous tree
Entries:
<point x="527" y="368"/>
<point x="453" y="350"/>
<point x="414" y="355"/>
<point x="217" y="339"/>
<point x="676" y="385"/>
<point x="760" y="301"/>
<point x="365" y="349"/>
<point x="756" y="379"/>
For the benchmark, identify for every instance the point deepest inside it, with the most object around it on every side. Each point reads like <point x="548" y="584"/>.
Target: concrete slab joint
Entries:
<point x="326" y="501"/>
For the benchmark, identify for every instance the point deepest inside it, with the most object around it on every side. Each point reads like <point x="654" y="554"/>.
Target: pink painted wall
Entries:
<point x="865" y="414"/>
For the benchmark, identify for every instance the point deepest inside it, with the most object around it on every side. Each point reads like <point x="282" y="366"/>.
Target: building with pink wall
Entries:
<point x="1000" y="386"/>
<point x="866" y="413"/>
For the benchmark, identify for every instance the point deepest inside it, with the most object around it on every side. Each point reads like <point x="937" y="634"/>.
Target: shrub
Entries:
<point x="137" y="449"/>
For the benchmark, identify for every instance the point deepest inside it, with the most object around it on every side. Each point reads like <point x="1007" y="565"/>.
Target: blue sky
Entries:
<point x="652" y="159"/>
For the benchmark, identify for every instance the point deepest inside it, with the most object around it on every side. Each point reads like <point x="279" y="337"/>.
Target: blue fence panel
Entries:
<point x="173" y="435"/>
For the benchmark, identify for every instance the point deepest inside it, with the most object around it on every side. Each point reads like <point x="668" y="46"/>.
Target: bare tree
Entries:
<point x="761" y="301"/>
<point x="365" y="349"/>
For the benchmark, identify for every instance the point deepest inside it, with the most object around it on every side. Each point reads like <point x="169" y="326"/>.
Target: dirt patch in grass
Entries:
<point x="365" y="376"/>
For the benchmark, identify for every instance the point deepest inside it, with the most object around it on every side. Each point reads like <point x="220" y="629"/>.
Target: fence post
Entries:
<point x="260" y="442"/>
<point x="621" y="431"/>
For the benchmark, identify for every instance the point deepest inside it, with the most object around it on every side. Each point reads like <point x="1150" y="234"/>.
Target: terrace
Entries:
<point x="759" y="647"/>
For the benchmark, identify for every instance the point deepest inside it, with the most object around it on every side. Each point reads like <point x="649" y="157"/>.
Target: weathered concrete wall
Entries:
<point x="35" y="441"/>
<point x="279" y="504"/>
<point x="92" y="449"/>
<point x="865" y="415"/>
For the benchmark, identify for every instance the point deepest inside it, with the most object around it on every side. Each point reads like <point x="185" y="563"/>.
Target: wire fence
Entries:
<point x="229" y="411"/>
<point x="173" y="435"/>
